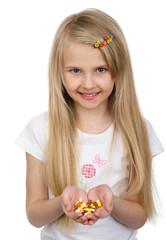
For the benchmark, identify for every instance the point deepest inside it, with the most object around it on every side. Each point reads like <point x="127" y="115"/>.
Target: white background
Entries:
<point x="26" y="33"/>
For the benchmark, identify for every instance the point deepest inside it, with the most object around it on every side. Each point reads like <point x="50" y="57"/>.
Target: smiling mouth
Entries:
<point x="89" y="95"/>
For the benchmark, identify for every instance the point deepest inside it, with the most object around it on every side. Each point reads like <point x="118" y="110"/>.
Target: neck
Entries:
<point x="94" y="121"/>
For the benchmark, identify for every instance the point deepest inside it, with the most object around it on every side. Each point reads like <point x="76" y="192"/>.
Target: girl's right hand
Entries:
<point x="70" y="196"/>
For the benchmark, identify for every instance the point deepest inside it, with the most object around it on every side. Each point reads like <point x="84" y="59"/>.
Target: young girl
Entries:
<point x="93" y="143"/>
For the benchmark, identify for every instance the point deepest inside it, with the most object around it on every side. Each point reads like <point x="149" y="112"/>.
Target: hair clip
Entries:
<point x="103" y="41"/>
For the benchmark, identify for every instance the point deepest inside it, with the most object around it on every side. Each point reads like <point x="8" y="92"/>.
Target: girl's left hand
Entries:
<point x="104" y="194"/>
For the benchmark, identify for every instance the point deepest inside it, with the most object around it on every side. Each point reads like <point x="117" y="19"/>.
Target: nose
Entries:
<point x="88" y="81"/>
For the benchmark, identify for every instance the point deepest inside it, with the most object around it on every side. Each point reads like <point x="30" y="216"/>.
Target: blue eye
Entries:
<point x="75" y="70"/>
<point x="101" y="70"/>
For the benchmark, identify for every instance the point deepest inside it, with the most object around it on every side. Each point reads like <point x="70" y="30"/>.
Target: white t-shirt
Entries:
<point x="97" y="165"/>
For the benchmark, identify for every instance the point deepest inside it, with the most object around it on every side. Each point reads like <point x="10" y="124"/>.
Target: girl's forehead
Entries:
<point x="80" y="53"/>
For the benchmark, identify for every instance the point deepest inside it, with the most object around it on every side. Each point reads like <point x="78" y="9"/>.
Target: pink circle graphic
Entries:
<point x="88" y="171"/>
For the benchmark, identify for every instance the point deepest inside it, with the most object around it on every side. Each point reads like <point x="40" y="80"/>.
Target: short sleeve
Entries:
<point x="155" y="144"/>
<point x="33" y="138"/>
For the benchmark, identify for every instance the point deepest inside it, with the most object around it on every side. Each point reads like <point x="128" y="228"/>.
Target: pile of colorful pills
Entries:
<point x="86" y="208"/>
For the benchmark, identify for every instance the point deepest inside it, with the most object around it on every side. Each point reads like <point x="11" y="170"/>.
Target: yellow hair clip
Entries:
<point x="104" y="41"/>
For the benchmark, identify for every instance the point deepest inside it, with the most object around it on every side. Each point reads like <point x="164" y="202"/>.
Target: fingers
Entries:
<point x="84" y="209"/>
<point x="101" y="213"/>
<point x="92" y="219"/>
<point x="66" y="203"/>
<point x="108" y="201"/>
<point x="71" y="196"/>
<point x="108" y="206"/>
<point x="104" y="193"/>
<point x="89" y="219"/>
<point x="82" y="219"/>
<point x="67" y="206"/>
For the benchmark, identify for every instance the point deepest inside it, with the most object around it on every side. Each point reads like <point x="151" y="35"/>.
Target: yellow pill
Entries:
<point x="98" y="203"/>
<point x="81" y="207"/>
<point x="88" y="209"/>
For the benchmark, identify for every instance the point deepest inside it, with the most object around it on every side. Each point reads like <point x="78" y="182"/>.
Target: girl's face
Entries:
<point x="87" y="78"/>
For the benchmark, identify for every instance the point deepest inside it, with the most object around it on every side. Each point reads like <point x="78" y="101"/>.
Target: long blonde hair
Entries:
<point x="61" y="156"/>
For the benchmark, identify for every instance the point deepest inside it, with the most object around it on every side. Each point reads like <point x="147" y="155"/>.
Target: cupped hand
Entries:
<point x="70" y="196"/>
<point x="104" y="194"/>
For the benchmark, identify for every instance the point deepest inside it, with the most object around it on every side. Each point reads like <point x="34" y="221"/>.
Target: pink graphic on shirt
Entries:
<point x="88" y="171"/>
<point x="99" y="160"/>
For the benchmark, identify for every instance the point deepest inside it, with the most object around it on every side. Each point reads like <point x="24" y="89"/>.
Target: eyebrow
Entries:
<point x="78" y="67"/>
